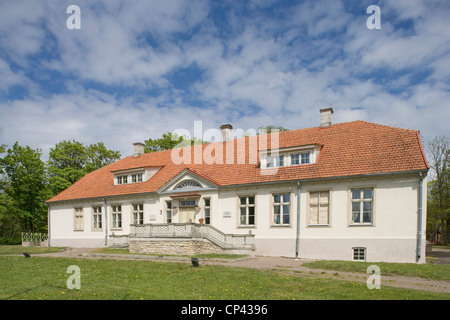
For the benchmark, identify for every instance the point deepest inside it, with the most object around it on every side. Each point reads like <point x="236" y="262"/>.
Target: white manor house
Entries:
<point x="346" y="191"/>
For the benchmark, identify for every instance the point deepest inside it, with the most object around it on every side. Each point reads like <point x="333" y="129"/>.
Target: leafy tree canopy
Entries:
<point x="71" y="160"/>
<point x="26" y="185"/>
<point x="169" y="141"/>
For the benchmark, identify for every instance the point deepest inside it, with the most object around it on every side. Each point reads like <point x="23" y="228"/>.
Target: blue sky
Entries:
<point x="138" y="69"/>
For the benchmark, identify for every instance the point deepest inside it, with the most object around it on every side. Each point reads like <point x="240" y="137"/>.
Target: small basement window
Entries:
<point x="359" y="254"/>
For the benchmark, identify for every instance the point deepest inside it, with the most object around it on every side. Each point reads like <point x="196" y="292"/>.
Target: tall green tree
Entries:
<point x="10" y="225"/>
<point x="26" y="186"/>
<point x="438" y="208"/>
<point x="66" y="164"/>
<point x="71" y="160"/>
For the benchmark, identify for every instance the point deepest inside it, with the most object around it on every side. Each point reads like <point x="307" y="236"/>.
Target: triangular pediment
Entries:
<point x="187" y="181"/>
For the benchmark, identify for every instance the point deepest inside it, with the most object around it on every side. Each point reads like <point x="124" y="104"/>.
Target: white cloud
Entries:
<point x="275" y="64"/>
<point x="21" y="31"/>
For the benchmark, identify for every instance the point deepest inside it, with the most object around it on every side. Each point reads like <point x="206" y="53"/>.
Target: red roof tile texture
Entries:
<point x="347" y="149"/>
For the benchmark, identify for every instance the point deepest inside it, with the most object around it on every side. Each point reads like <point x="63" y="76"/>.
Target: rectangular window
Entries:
<point x="362" y="206"/>
<point x="295" y="159"/>
<point x="122" y="179"/>
<point x="78" y="219"/>
<point x="319" y="207"/>
<point x="97" y="218"/>
<point x="187" y="203"/>
<point x="117" y="217"/>
<point x="281" y="208"/>
<point x="138" y="213"/>
<point x="169" y="211"/>
<point x="269" y="162"/>
<point x="207" y="202"/>
<point x="305" y="158"/>
<point x="136" y="177"/>
<point x="281" y="161"/>
<point x="247" y="211"/>
<point x="359" y="254"/>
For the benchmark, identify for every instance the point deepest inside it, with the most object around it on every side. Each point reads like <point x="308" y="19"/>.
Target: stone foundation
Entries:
<point x="173" y="246"/>
<point x="35" y="243"/>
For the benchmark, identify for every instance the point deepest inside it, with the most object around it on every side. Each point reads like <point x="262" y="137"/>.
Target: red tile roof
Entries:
<point x="349" y="149"/>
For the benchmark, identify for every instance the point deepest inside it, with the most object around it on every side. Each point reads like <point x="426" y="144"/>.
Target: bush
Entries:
<point x="10" y="241"/>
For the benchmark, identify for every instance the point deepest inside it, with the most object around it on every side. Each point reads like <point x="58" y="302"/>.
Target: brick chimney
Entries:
<point x="227" y="132"/>
<point x="325" y="117"/>
<point x="138" y="149"/>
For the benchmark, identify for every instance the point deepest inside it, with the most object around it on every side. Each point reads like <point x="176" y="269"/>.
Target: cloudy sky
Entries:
<point x="138" y="69"/>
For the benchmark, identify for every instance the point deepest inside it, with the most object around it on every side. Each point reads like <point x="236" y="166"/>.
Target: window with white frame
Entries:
<point x="305" y="158"/>
<point x="247" y="211"/>
<point x="136" y="177"/>
<point x="207" y="203"/>
<point x="275" y="161"/>
<point x="362" y="206"/>
<point x="295" y="159"/>
<point x="116" y="216"/>
<point x="359" y="254"/>
<point x="319" y="208"/>
<point x="281" y="160"/>
<point x="78" y="222"/>
<point x="281" y="209"/>
<point x="97" y="218"/>
<point x="122" y="179"/>
<point x="289" y="156"/>
<point x="169" y="211"/>
<point x="270" y="163"/>
<point x="138" y="213"/>
<point x="126" y="178"/>
<point x="187" y="203"/>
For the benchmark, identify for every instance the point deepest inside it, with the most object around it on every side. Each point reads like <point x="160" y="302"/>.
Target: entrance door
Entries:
<point x="187" y="215"/>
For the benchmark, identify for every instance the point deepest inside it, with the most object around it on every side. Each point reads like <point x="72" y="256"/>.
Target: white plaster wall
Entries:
<point x="392" y="237"/>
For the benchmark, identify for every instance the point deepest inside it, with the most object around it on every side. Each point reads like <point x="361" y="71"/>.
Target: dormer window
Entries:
<point x="289" y="156"/>
<point x="134" y="175"/>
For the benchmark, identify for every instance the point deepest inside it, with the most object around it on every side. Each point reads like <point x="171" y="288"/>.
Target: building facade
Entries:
<point x="346" y="191"/>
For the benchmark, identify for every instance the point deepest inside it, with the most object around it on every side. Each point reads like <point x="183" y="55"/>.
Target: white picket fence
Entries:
<point x="34" y="239"/>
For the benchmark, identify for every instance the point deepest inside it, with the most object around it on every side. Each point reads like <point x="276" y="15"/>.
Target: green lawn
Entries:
<point x="5" y="250"/>
<point x="203" y="256"/>
<point x="45" y="278"/>
<point x="427" y="271"/>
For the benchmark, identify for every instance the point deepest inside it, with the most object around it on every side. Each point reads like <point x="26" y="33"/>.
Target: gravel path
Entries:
<point x="279" y="264"/>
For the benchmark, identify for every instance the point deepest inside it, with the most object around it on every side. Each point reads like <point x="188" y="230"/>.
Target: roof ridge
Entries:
<point x="384" y="125"/>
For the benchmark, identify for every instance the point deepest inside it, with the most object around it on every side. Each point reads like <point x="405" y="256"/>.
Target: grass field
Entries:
<point x="426" y="271"/>
<point x="45" y="278"/>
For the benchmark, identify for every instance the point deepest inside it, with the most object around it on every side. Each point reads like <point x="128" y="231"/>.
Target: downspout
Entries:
<point x="419" y="222"/>
<point x="106" y="223"/>
<point x="297" y="244"/>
